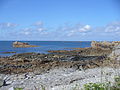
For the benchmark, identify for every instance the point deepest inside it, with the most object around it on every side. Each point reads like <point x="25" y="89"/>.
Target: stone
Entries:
<point x="118" y="58"/>
<point x="115" y="55"/>
<point x="11" y="88"/>
<point x="8" y="82"/>
<point x="117" y="47"/>
<point x="1" y="82"/>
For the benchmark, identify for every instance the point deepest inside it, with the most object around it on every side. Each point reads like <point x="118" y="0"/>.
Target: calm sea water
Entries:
<point x="6" y="46"/>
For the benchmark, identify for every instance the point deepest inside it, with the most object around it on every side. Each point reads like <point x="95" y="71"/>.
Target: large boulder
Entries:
<point x="22" y="44"/>
<point x="115" y="55"/>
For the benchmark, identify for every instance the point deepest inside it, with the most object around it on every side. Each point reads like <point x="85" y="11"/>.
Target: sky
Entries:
<point x="60" y="20"/>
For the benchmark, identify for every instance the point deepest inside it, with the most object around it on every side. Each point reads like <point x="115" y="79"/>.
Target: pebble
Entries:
<point x="60" y="78"/>
<point x="11" y="88"/>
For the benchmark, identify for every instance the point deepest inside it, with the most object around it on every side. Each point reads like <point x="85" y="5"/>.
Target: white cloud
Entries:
<point x="70" y="34"/>
<point x="113" y="27"/>
<point x="85" y="28"/>
<point x="40" y="29"/>
<point x="38" y="24"/>
<point x="26" y="33"/>
<point x="72" y="30"/>
<point x="7" y="25"/>
<point x="27" y="29"/>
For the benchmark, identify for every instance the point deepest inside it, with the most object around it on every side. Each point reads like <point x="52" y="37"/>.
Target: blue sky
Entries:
<point x="69" y="20"/>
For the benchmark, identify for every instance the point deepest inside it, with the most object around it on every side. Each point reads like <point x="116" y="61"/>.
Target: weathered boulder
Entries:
<point x="21" y="44"/>
<point x="115" y="55"/>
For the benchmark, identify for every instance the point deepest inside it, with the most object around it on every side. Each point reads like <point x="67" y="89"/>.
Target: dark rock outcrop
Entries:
<point x="30" y="62"/>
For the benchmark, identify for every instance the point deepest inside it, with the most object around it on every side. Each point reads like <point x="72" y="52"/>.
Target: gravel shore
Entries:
<point x="59" y="79"/>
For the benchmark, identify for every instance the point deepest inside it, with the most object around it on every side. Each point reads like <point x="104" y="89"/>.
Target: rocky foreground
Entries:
<point x="58" y="70"/>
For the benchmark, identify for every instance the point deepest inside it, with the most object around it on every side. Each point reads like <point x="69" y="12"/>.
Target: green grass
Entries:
<point x="95" y="86"/>
<point x="18" y="88"/>
<point x="104" y="86"/>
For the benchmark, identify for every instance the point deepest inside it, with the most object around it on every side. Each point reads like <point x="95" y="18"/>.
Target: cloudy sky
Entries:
<point x="60" y="20"/>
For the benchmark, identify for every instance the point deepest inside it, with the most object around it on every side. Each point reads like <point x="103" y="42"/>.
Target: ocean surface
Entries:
<point x="44" y="46"/>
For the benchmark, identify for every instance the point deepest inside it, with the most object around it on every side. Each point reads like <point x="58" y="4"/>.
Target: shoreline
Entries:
<point x="56" y="70"/>
<point x="30" y="61"/>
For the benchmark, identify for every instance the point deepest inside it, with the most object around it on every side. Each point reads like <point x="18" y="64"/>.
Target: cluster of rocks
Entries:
<point x="22" y="44"/>
<point x="114" y="46"/>
<point x="28" y="62"/>
<point x="44" y="63"/>
<point x="83" y="51"/>
<point x="105" y="44"/>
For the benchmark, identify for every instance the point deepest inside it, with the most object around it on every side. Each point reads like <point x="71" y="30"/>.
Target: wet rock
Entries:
<point x="1" y="66"/>
<point x="75" y="58"/>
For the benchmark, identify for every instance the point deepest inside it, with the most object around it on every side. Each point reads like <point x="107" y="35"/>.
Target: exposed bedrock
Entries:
<point x="104" y="44"/>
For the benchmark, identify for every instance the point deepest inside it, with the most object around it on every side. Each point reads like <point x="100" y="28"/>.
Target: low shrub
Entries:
<point x="95" y="86"/>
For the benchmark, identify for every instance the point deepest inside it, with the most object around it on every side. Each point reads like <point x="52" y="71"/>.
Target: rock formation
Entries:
<point x="21" y="44"/>
<point x="115" y="55"/>
<point x="113" y="46"/>
<point x="105" y="44"/>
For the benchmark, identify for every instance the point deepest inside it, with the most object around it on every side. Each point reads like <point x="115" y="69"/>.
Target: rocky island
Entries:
<point x="61" y="69"/>
<point x="21" y="44"/>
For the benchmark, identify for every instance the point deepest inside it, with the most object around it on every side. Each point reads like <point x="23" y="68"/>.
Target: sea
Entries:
<point x="44" y="46"/>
